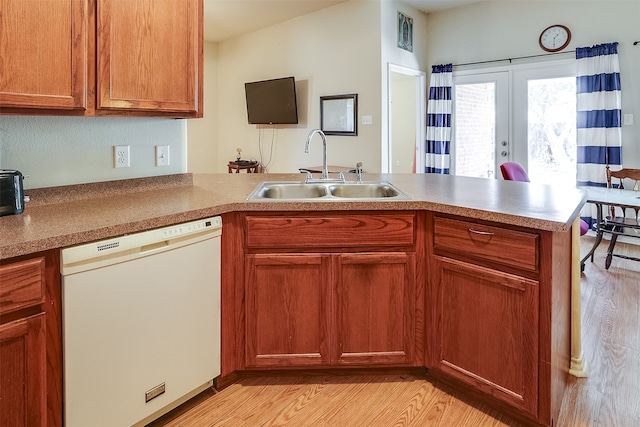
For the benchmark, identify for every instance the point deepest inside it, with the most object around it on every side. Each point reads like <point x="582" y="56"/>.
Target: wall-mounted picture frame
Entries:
<point x="339" y="114"/>
<point x="405" y="32"/>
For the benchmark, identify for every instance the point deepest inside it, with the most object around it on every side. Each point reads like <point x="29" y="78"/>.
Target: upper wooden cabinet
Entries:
<point x="43" y="54"/>
<point x="102" y="57"/>
<point x="149" y="55"/>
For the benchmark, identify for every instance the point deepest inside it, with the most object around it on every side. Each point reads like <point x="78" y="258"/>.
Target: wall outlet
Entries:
<point x="162" y="155"/>
<point x="121" y="157"/>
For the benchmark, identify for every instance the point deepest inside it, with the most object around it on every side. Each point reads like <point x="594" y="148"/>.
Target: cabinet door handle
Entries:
<point x="484" y="233"/>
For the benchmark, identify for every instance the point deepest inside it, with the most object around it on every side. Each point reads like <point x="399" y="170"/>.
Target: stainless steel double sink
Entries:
<point x="282" y="191"/>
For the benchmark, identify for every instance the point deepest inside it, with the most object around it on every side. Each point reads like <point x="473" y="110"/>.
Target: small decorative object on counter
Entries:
<point x="239" y="153"/>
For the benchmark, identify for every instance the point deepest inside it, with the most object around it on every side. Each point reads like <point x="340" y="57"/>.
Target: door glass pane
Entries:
<point x="552" y="131"/>
<point x="475" y="129"/>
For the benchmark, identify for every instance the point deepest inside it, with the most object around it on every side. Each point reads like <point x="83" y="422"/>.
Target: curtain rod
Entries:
<point x="511" y="59"/>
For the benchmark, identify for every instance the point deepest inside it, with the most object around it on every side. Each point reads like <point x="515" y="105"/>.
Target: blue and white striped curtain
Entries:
<point x="439" y="120"/>
<point x="599" y="114"/>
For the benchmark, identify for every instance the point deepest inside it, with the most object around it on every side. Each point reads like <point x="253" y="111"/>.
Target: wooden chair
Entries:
<point x="617" y="220"/>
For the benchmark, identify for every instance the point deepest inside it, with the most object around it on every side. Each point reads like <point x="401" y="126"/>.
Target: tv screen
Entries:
<point x="272" y="101"/>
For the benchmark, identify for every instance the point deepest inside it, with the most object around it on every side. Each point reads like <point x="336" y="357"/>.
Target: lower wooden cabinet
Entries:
<point x="30" y="341"/>
<point x="484" y="306"/>
<point x="487" y="331"/>
<point x="313" y="304"/>
<point x="23" y="399"/>
<point x="330" y="309"/>
<point x="500" y="314"/>
<point x="373" y="313"/>
<point x="288" y="310"/>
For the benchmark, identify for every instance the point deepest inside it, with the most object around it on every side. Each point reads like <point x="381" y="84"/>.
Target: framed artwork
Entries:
<point x="405" y="32"/>
<point x="339" y="114"/>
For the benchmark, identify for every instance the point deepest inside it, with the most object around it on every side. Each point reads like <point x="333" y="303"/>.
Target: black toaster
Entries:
<point x="11" y="192"/>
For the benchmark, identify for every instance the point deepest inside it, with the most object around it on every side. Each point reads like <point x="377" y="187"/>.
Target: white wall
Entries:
<point x="202" y="134"/>
<point x="506" y="29"/>
<point x="56" y="151"/>
<point x="392" y="54"/>
<point x="333" y="51"/>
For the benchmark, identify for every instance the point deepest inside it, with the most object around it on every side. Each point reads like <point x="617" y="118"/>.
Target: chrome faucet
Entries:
<point x="325" y="168"/>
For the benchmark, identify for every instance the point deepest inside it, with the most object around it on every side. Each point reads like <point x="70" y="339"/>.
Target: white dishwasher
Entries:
<point x="141" y="319"/>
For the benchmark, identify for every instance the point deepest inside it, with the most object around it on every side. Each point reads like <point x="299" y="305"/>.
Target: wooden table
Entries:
<point x="250" y="167"/>
<point x="601" y="196"/>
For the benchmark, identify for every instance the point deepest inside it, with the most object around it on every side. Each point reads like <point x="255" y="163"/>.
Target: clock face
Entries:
<point x="555" y="38"/>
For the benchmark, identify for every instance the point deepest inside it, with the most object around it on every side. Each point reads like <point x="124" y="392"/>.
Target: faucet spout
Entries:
<point x="325" y="168"/>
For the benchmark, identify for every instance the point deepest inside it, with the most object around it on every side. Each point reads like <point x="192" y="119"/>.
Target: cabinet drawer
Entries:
<point x="330" y="231"/>
<point x="21" y="285"/>
<point x="482" y="242"/>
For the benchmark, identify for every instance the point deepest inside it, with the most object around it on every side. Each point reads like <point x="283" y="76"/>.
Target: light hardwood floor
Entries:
<point x="610" y="396"/>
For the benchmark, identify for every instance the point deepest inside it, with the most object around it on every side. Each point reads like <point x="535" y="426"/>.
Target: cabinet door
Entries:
<point x="486" y="332"/>
<point x="23" y="400"/>
<point x="149" y="54"/>
<point x="374" y="308"/>
<point x="287" y="310"/>
<point x="43" y="54"/>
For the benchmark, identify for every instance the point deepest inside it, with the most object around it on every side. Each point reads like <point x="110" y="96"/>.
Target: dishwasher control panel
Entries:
<point x="191" y="227"/>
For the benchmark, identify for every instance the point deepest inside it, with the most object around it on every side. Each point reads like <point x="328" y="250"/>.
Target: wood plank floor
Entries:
<point x="610" y="396"/>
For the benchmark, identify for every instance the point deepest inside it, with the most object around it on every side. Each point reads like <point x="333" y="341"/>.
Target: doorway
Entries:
<point x="524" y="114"/>
<point x="406" y="121"/>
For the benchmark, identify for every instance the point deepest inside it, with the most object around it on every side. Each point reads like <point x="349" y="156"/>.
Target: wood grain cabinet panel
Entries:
<point x="330" y="231"/>
<point x="331" y="290"/>
<point x="43" y="54"/>
<point x="500" y="319"/>
<point x="149" y="55"/>
<point x="477" y="241"/>
<point x="22" y="285"/>
<point x="374" y="308"/>
<point x="23" y="399"/>
<point x="102" y="57"/>
<point x="487" y="331"/>
<point x="288" y="303"/>
<point x="31" y="341"/>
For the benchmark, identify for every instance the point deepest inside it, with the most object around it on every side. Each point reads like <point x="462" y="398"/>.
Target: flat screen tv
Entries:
<point x="272" y="101"/>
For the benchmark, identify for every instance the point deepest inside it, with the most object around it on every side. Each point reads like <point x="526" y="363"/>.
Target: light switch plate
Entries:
<point x="162" y="155"/>
<point x="628" y="119"/>
<point x="367" y="120"/>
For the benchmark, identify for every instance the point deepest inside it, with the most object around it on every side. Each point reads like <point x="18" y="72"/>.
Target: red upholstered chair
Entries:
<point x="512" y="171"/>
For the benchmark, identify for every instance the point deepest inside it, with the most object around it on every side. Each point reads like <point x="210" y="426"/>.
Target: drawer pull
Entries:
<point x="484" y="233"/>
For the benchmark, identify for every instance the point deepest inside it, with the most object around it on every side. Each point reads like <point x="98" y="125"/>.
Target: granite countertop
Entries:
<point x="70" y="215"/>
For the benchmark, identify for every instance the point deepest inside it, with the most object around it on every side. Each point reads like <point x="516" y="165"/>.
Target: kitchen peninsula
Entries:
<point x="472" y="276"/>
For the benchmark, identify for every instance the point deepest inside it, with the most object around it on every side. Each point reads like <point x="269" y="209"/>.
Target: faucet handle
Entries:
<point x="359" y="172"/>
<point x="309" y="176"/>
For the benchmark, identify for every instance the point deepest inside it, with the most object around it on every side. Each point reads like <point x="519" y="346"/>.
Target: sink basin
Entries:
<point x="363" y="191"/>
<point x="329" y="191"/>
<point x="290" y="191"/>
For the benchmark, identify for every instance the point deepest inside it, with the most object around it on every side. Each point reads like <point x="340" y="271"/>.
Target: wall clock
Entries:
<point x="554" y="38"/>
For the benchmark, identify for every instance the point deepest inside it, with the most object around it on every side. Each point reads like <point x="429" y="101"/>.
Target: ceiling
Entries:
<point x="224" y="19"/>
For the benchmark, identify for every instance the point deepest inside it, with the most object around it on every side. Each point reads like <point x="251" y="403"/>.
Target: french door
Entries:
<point x="524" y="114"/>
